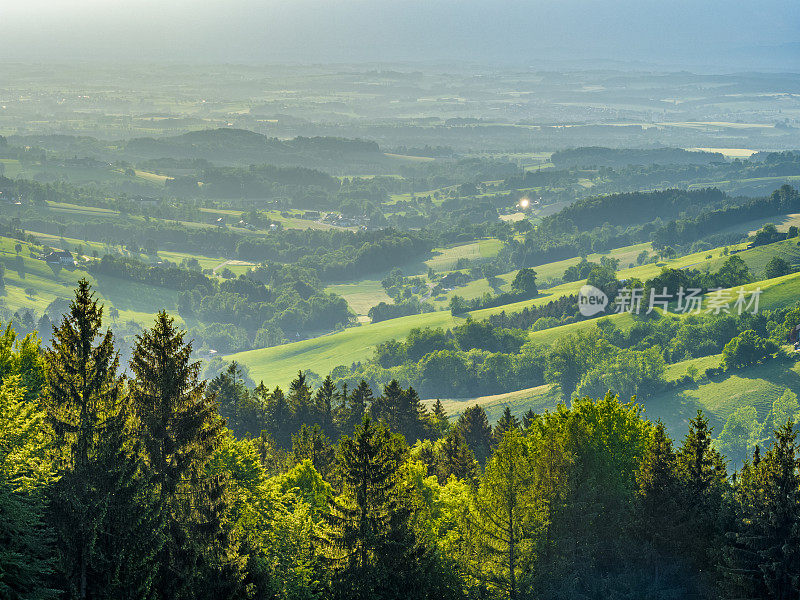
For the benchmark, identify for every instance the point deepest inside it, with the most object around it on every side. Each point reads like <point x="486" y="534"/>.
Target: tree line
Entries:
<point x="659" y="217"/>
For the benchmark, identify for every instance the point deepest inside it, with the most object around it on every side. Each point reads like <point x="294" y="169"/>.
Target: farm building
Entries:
<point x="60" y="257"/>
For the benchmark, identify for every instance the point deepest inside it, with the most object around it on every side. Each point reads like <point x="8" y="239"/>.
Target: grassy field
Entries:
<point x="548" y="272"/>
<point x="88" y="211"/>
<point x="407" y="158"/>
<point x="757" y="258"/>
<point x="294" y="221"/>
<point x="445" y="259"/>
<point x="364" y="294"/>
<point x="10" y="167"/>
<point x="361" y="295"/>
<point x="728" y="184"/>
<point x="135" y="301"/>
<point x="538" y="398"/>
<point x="152" y="177"/>
<point x="728" y="152"/>
<point x="60" y="242"/>
<point x="718" y="397"/>
<point x="279" y="364"/>
<point x="394" y="198"/>
<point x="679" y="369"/>
<point x="79" y="174"/>
<point x="206" y="262"/>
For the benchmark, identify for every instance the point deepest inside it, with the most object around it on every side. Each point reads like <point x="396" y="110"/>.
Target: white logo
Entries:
<point x="591" y="300"/>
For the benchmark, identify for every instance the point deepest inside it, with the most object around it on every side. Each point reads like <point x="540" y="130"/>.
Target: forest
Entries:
<point x="130" y="482"/>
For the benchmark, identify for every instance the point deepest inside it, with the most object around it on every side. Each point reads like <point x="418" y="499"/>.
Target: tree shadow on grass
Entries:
<point x="139" y="297"/>
<point x="681" y="406"/>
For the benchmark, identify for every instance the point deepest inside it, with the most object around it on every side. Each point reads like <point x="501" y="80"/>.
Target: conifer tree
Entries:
<point x="739" y="564"/>
<point x="324" y="401"/>
<point x="357" y="406"/>
<point x="413" y="417"/>
<point x="179" y="429"/>
<point x="279" y="418"/>
<point x="703" y="479"/>
<point x="300" y="401"/>
<point x="474" y="426"/>
<point x="658" y="518"/>
<point x="312" y="444"/>
<point x="506" y="423"/>
<point x="387" y="407"/>
<point x="243" y="411"/>
<point x="504" y="516"/>
<point x="455" y="458"/>
<point x="84" y="402"/>
<point x="658" y="483"/>
<point x="128" y="548"/>
<point x="769" y="542"/>
<point x="401" y="410"/>
<point x="359" y="543"/>
<point x="528" y="418"/>
<point x="440" y="418"/>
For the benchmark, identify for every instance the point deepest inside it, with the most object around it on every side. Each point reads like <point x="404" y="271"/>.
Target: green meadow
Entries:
<point x="24" y="274"/>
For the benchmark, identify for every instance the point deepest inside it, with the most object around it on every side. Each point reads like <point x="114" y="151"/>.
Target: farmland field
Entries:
<point x="445" y="259"/>
<point x="362" y="295"/>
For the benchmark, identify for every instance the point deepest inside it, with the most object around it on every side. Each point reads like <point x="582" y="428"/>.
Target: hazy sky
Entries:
<point x="751" y="34"/>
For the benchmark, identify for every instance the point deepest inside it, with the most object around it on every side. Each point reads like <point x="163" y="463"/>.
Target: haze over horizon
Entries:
<point x="678" y="34"/>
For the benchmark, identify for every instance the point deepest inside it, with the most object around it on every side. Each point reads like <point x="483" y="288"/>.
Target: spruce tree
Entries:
<point x="388" y="406"/>
<point x="455" y="458"/>
<point x="279" y="419"/>
<point x="769" y="539"/>
<point x="357" y="544"/>
<point x="358" y="404"/>
<point x="128" y="548"/>
<point x="658" y="516"/>
<point x="703" y="480"/>
<point x="658" y="482"/>
<point x="440" y="418"/>
<point x="300" y="401"/>
<point x="739" y="562"/>
<point x="312" y="444"/>
<point x="324" y="401"/>
<point x="179" y="428"/>
<point x="506" y="423"/>
<point x="402" y="411"/>
<point x="242" y="409"/>
<point x="84" y="403"/>
<point x="528" y="418"/>
<point x="413" y="417"/>
<point x="474" y="426"/>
